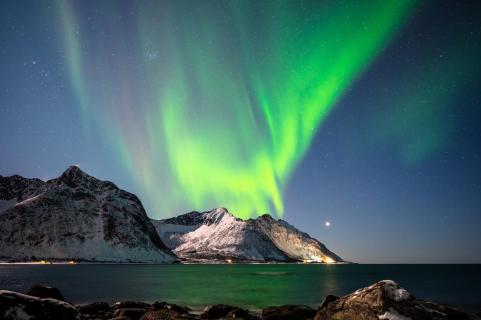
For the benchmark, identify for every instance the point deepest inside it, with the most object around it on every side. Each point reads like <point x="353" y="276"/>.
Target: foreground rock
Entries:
<point x="288" y="312"/>
<point x="14" y="305"/>
<point x="167" y="314"/>
<point x="386" y="300"/>
<point x="224" y="311"/>
<point x="96" y="309"/>
<point x="40" y="291"/>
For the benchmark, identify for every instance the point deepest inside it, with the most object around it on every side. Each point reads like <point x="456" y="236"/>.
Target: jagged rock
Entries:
<point x="129" y="313"/>
<point x="14" y="305"/>
<point x="288" y="312"/>
<point x="94" y="308"/>
<point x="75" y="217"/>
<point x="240" y="314"/>
<point x="386" y="300"/>
<point x="328" y="299"/>
<point x="170" y="306"/>
<point x="218" y="236"/>
<point x="166" y="314"/>
<point x="221" y="311"/>
<point x="131" y="304"/>
<point x="41" y="291"/>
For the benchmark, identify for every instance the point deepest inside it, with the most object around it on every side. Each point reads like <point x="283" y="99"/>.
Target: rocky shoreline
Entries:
<point x="384" y="300"/>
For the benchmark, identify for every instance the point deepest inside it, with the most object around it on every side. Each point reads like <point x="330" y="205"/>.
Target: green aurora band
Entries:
<point x="217" y="106"/>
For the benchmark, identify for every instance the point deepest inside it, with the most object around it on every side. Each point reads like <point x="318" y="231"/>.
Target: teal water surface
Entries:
<point x="249" y="286"/>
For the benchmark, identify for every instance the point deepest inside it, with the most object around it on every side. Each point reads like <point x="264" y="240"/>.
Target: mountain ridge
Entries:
<point x="220" y="236"/>
<point x="77" y="216"/>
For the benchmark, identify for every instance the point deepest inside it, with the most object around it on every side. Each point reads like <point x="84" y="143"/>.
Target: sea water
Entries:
<point x="249" y="286"/>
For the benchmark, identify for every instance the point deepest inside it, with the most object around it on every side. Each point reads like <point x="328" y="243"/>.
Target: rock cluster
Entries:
<point x="384" y="300"/>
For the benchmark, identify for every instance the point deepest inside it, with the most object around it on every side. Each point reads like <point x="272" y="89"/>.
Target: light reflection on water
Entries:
<point x="250" y="286"/>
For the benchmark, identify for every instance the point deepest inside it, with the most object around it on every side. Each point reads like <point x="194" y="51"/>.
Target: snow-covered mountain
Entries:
<point x="75" y="216"/>
<point x="218" y="236"/>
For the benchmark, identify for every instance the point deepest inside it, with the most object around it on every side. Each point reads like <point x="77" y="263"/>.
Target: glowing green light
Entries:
<point x="225" y="111"/>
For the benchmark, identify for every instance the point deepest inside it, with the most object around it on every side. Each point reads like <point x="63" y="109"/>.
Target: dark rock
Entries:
<point x="41" y="291"/>
<point x="166" y="314"/>
<point x="94" y="308"/>
<point x="221" y="311"/>
<point x="129" y="313"/>
<point x="386" y="300"/>
<point x="328" y="299"/>
<point x="131" y="305"/>
<point x="14" y="305"/>
<point x="240" y="314"/>
<point x="170" y="306"/>
<point x="288" y="312"/>
<point x="451" y="313"/>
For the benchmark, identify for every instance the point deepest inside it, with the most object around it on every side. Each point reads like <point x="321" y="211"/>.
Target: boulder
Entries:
<point x="221" y="311"/>
<point x="288" y="312"/>
<point x="240" y="314"/>
<point x="100" y="310"/>
<point x="328" y="299"/>
<point x="129" y="313"/>
<point x="14" y="305"/>
<point x="386" y="300"/>
<point x="95" y="310"/>
<point x="131" y="304"/>
<point x="41" y="291"/>
<point x="170" y="306"/>
<point x="166" y="314"/>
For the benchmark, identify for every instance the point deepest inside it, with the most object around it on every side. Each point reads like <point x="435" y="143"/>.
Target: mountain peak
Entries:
<point x="73" y="171"/>
<point x="218" y="235"/>
<point x="266" y="216"/>
<point x="220" y="210"/>
<point x="217" y="215"/>
<point x="64" y="223"/>
<point x="73" y="177"/>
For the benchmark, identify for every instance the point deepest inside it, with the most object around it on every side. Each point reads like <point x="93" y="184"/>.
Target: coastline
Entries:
<point x="248" y="286"/>
<point x="186" y="262"/>
<point x="384" y="299"/>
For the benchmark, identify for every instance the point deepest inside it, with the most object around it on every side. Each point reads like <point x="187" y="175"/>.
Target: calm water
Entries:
<point x="250" y="286"/>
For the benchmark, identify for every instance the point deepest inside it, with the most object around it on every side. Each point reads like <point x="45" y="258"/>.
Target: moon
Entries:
<point x="327" y="224"/>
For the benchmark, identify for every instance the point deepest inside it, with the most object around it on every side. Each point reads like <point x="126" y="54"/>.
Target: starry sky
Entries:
<point x="364" y="115"/>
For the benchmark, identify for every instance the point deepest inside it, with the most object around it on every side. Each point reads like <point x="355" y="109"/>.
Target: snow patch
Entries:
<point x="18" y="313"/>
<point x="217" y="234"/>
<point x="394" y="291"/>
<point x="393" y="314"/>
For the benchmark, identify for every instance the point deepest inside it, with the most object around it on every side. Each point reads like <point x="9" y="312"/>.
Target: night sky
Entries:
<point x="364" y="115"/>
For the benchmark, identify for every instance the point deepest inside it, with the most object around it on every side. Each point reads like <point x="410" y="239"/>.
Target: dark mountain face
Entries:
<point x="76" y="216"/>
<point x="19" y="188"/>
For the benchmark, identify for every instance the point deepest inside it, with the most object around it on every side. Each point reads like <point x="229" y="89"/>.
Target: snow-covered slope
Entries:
<point x="218" y="236"/>
<point x="75" y="216"/>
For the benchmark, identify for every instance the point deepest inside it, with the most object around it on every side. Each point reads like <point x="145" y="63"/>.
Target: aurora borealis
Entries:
<point x="226" y="107"/>
<point x="361" y="113"/>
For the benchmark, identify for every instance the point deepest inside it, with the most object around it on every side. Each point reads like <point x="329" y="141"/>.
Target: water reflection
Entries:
<point x="250" y="286"/>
